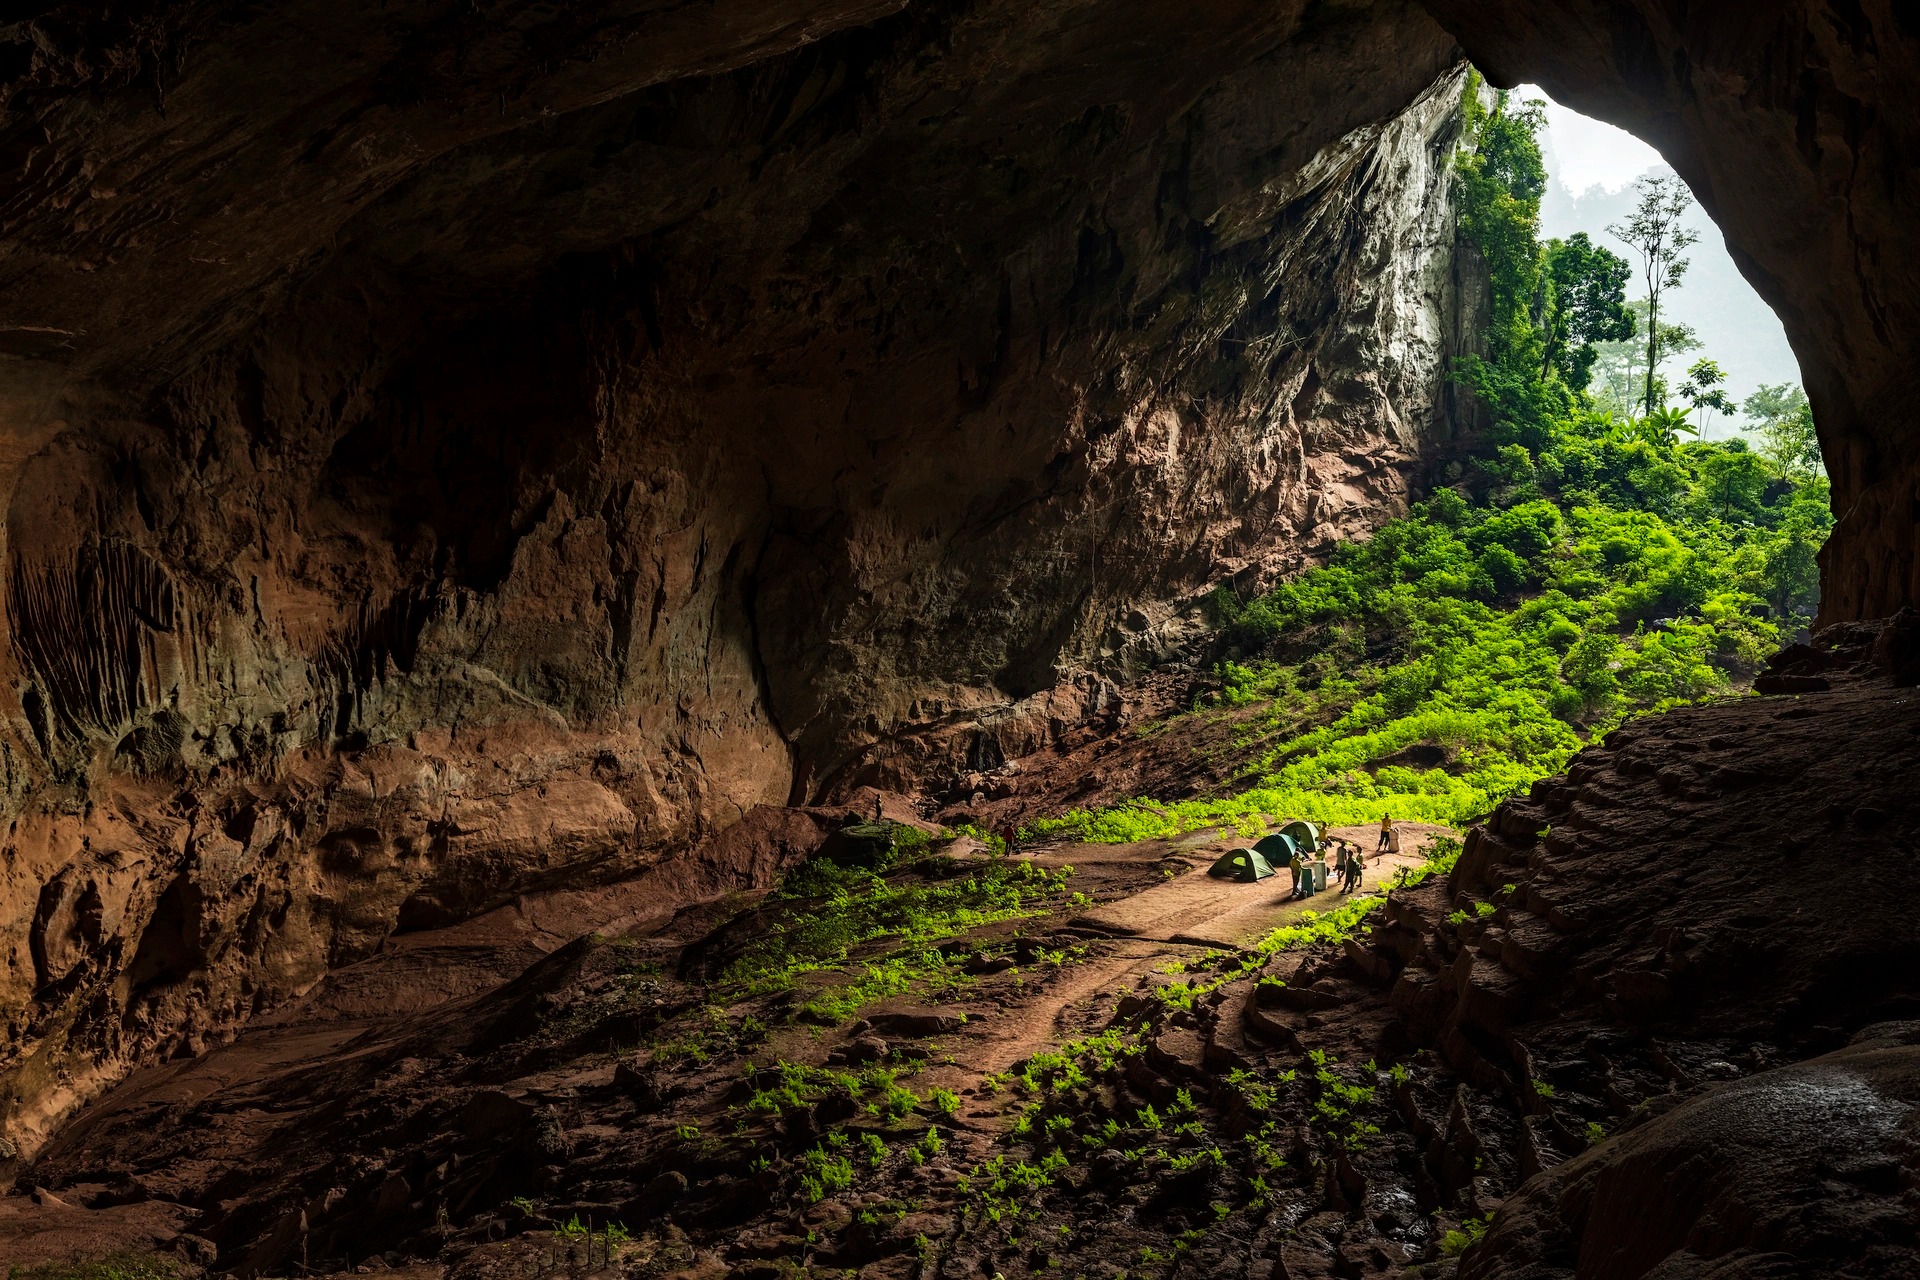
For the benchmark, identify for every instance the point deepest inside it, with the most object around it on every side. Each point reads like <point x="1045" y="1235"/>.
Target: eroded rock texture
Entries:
<point x="457" y="449"/>
<point x="1719" y="1185"/>
<point x="1658" y="1021"/>
<point x="461" y="454"/>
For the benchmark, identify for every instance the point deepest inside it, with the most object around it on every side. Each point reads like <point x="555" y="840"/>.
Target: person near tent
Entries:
<point x="1351" y="868"/>
<point x="1302" y="878"/>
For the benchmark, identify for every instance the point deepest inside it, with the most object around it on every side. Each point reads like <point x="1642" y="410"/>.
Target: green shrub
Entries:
<point x="1464" y="1237"/>
<point x="832" y="909"/>
<point x="113" y="1266"/>
<point x="1404" y="676"/>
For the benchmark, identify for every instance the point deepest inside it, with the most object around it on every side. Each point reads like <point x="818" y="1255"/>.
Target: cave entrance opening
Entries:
<point x="1634" y="381"/>
<point x="1617" y="531"/>
<point x="1597" y="176"/>
<point x="1712" y="348"/>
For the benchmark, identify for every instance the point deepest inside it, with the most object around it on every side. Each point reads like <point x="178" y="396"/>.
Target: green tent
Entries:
<point x="1241" y="864"/>
<point x="1277" y="849"/>
<point x="1304" y="834"/>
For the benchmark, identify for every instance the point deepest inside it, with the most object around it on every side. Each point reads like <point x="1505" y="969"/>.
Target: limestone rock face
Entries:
<point x="1795" y="122"/>
<point x="1718" y="1185"/>
<point x="451" y="451"/>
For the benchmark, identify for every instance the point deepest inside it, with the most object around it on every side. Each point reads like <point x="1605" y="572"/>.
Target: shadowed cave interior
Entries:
<point x="550" y="546"/>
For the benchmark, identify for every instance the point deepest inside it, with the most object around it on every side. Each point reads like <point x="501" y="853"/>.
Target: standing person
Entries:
<point x="1387" y="838"/>
<point x="1010" y="836"/>
<point x="1297" y="865"/>
<point x="1353" y="869"/>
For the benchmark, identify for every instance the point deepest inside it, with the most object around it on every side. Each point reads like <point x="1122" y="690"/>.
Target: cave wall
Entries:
<point x="1797" y="125"/>
<point x="513" y="447"/>
<point x="452" y="449"/>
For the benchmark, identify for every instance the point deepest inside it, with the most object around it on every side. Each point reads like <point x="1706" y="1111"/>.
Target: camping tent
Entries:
<point x="1277" y="849"/>
<point x="1241" y="864"/>
<point x="1304" y="834"/>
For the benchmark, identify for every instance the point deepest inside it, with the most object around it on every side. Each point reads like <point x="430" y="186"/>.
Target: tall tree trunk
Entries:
<point x="1653" y="341"/>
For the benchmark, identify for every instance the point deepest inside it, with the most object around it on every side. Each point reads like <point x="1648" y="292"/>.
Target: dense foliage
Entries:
<point x="1583" y="568"/>
<point x="827" y="912"/>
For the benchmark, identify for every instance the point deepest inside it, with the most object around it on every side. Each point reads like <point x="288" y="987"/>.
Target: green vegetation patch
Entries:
<point x="831" y="909"/>
<point x="1216" y="1153"/>
<point x="116" y="1266"/>
<point x="1583" y="567"/>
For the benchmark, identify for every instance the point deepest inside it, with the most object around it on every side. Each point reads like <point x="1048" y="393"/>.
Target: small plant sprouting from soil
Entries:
<point x="113" y="1266"/>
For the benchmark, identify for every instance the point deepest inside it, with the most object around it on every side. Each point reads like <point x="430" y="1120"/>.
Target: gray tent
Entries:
<point x="1244" y="865"/>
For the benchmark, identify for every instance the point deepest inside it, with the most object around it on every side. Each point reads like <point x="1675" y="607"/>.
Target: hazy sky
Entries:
<point x="1591" y="168"/>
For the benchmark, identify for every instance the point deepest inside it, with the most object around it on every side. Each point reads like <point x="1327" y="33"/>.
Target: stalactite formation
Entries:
<point x="480" y="473"/>
<point x="377" y="642"/>
<point x="87" y="631"/>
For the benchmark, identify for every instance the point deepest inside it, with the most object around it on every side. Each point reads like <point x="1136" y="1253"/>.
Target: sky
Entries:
<point x="1591" y="168"/>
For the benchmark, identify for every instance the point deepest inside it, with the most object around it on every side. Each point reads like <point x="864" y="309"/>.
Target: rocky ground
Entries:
<point x="1657" y="1018"/>
<point x="466" y="469"/>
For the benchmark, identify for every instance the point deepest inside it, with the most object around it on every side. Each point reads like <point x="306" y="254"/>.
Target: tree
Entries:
<point x="1792" y="574"/>
<point x="1733" y="480"/>
<point x="1655" y="232"/>
<point x="1500" y="177"/>
<point x="1588" y="305"/>
<point x="1772" y="402"/>
<point x="1783" y="421"/>
<point x="1622" y="376"/>
<point x="1702" y="391"/>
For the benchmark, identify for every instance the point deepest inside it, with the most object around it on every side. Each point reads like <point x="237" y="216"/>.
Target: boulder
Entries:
<point x="1812" y="1162"/>
<point x="916" y="1023"/>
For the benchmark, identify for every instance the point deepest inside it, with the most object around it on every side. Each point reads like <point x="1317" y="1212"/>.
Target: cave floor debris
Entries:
<point x="391" y="1020"/>
<point x="1026" y="1095"/>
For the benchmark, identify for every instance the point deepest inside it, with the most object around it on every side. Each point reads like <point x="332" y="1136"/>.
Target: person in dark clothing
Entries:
<point x="1353" y="869"/>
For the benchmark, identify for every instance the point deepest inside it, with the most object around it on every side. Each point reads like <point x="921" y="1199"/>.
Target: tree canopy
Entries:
<point x="1579" y="565"/>
<point x="1587" y="305"/>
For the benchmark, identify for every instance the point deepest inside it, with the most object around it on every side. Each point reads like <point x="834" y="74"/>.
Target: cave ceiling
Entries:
<point x="454" y="450"/>
<point x="174" y="174"/>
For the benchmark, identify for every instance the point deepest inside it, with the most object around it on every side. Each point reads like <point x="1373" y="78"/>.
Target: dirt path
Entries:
<point x="1026" y="1029"/>
<point x="250" y="1102"/>
<point x="1196" y="908"/>
<point x="1167" y="921"/>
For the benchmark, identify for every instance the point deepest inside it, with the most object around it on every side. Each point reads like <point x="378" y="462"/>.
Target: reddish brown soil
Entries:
<point x="1685" y="947"/>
